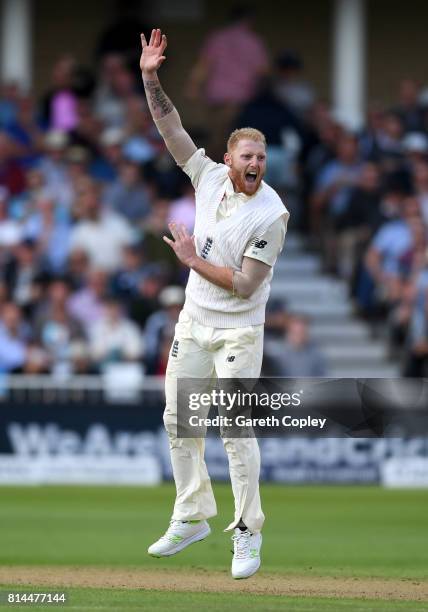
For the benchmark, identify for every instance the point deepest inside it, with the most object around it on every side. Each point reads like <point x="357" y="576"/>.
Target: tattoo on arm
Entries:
<point x="159" y="103"/>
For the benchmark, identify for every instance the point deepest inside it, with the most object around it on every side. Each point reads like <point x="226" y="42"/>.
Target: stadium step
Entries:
<point x="346" y="342"/>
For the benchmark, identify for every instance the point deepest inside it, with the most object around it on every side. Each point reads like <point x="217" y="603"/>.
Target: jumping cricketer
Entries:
<point x="240" y="228"/>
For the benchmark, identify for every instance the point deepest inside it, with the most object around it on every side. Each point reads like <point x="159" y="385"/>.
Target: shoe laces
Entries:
<point x="241" y="544"/>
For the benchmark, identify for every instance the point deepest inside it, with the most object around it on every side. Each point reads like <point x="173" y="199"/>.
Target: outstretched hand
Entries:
<point x="183" y="244"/>
<point x="152" y="55"/>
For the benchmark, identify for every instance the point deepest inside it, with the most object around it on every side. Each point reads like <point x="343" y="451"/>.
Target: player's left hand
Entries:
<point x="183" y="244"/>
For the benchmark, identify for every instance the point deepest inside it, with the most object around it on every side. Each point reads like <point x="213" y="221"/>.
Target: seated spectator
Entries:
<point x="161" y="324"/>
<point x="128" y="195"/>
<point x="60" y="102"/>
<point x="10" y="230"/>
<point x="333" y="190"/>
<point x="60" y="335"/>
<point x="101" y="233"/>
<point x="127" y="279"/>
<point x="277" y="318"/>
<point x="145" y="302"/>
<point x="409" y="109"/>
<point x="14" y="339"/>
<point x="53" y="166"/>
<point x="11" y="174"/>
<point x="23" y="273"/>
<point x="50" y="233"/>
<point x="116" y="86"/>
<point x="357" y="224"/>
<point x="389" y="141"/>
<point x="86" y="304"/>
<point x="140" y="131"/>
<point x="291" y="88"/>
<point x="298" y="355"/>
<point x="105" y="166"/>
<point x="113" y="337"/>
<point x="78" y="268"/>
<point x="390" y="243"/>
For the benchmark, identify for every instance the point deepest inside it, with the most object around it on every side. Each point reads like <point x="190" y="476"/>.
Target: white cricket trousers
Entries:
<point x="199" y="351"/>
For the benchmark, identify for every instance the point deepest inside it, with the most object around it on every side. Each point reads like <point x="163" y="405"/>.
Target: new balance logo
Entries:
<point x="260" y="244"/>
<point x="174" y="350"/>
<point x="207" y="247"/>
<point x="231" y="358"/>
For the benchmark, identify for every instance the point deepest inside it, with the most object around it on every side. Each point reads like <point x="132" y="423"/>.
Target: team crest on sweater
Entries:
<point x="207" y="248"/>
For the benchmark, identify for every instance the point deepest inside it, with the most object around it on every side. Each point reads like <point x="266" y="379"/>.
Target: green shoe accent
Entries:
<point x="176" y="539"/>
<point x="254" y="553"/>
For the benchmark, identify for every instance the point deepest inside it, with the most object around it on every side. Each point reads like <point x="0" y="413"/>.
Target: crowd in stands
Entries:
<point x="366" y="204"/>
<point x="87" y="189"/>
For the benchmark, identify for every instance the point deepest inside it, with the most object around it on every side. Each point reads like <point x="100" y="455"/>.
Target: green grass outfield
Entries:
<point x="339" y="532"/>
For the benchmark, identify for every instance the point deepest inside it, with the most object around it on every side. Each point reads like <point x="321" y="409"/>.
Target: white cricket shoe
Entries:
<point x="246" y="555"/>
<point x="179" y="535"/>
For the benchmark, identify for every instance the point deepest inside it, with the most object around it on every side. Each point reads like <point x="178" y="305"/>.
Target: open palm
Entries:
<point x="152" y="55"/>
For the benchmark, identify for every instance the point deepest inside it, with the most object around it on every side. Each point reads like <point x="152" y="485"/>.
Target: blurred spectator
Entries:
<point x="125" y="283"/>
<point x="101" y="233"/>
<point x="10" y="230"/>
<point x="50" y="233"/>
<point x="54" y="168"/>
<point x="277" y="318"/>
<point x="145" y="301"/>
<point x="61" y="336"/>
<point x="128" y="195"/>
<point x="333" y="190"/>
<point x="86" y="304"/>
<point x="227" y="80"/>
<point x="409" y="109"/>
<point x="298" y="356"/>
<point x="14" y="336"/>
<point x="357" y="224"/>
<point x="140" y="131"/>
<point x="122" y="36"/>
<point x="60" y="103"/>
<point x="113" y="337"/>
<point x="291" y="88"/>
<point x="11" y="173"/>
<point x="78" y="268"/>
<point x="105" y="166"/>
<point x="116" y="85"/>
<point x="23" y="274"/>
<point x="392" y="241"/>
<point x="161" y="325"/>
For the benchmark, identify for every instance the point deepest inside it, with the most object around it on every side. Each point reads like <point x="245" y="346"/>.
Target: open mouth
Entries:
<point x="251" y="177"/>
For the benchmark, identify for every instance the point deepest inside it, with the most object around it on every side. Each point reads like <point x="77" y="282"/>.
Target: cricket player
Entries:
<point x="239" y="231"/>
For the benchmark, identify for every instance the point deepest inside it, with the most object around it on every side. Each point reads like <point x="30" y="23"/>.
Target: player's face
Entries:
<point x="247" y="163"/>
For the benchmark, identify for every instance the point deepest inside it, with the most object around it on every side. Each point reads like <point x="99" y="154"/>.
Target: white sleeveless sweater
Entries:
<point x="223" y="244"/>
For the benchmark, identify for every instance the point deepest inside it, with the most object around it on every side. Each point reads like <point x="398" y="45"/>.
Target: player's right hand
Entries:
<point x="152" y="55"/>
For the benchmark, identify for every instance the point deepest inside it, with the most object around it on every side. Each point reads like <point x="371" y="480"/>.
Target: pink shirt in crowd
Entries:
<point x="235" y="57"/>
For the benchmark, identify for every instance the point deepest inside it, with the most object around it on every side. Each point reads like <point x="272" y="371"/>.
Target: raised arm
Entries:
<point x="164" y="114"/>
